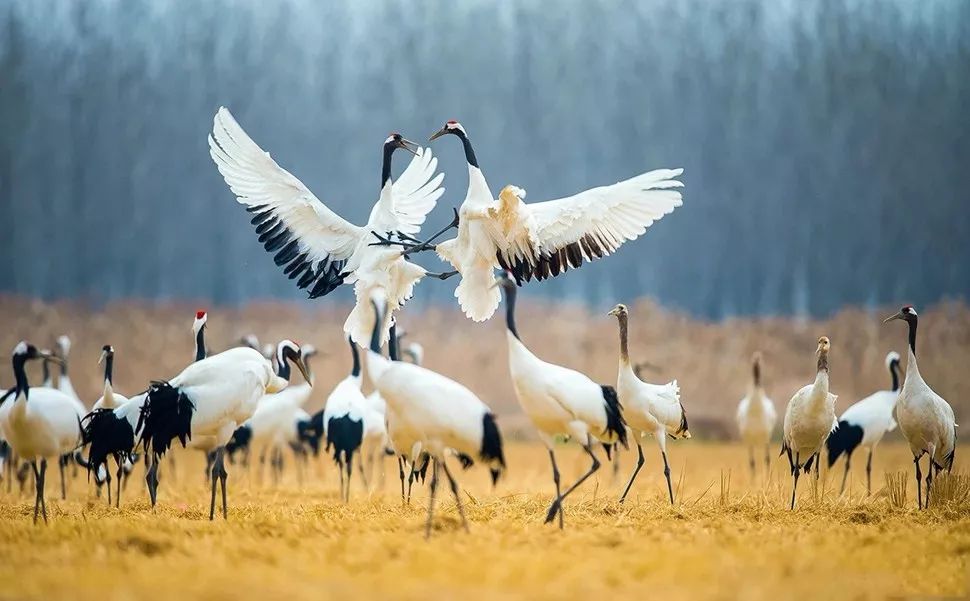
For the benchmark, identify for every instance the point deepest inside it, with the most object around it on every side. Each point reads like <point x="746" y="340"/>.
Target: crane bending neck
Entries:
<point x="20" y="376"/>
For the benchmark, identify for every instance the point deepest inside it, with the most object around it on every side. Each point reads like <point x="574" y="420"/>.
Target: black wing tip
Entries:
<point x="844" y="439"/>
<point x="166" y="415"/>
<point x="345" y="435"/>
<point x="615" y="423"/>
<point x="492" y="452"/>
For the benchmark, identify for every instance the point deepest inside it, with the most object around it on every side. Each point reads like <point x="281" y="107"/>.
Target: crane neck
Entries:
<point x="386" y="165"/>
<point x="393" y="350"/>
<point x="470" y="157"/>
<point x="624" y="323"/>
<point x="822" y="376"/>
<point x="894" y="372"/>
<point x="47" y="373"/>
<point x="510" y="294"/>
<point x="355" y="370"/>
<point x="200" y="344"/>
<point x="756" y="374"/>
<point x="109" y="361"/>
<point x="283" y="368"/>
<point x="63" y="366"/>
<point x="912" y="334"/>
<point x="20" y="377"/>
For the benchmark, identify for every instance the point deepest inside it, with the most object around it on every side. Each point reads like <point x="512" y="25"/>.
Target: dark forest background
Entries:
<point x="826" y="144"/>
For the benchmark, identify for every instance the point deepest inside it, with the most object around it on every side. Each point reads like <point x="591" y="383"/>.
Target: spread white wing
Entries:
<point x="413" y="196"/>
<point x="310" y="240"/>
<point x="592" y="224"/>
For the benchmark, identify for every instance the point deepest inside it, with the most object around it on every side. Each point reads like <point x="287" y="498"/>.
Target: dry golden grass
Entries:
<point x="295" y="542"/>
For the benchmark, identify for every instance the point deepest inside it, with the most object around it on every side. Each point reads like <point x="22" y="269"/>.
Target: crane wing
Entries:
<point x="310" y="240"/>
<point x="413" y="196"/>
<point x="589" y="225"/>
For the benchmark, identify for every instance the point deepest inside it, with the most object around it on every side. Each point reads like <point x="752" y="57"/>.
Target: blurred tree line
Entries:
<point x="826" y="144"/>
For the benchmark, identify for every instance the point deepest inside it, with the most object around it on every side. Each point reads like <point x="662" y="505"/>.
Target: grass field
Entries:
<point x="727" y="537"/>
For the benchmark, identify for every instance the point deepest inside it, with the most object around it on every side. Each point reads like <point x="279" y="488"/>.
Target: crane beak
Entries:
<point x="49" y="356"/>
<point x="612" y="312"/>
<point x="301" y="365"/>
<point x="438" y="134"/>
<point x="101" y="359"/>
<point x="892" y="317"/>
<point x="409" y="146"/>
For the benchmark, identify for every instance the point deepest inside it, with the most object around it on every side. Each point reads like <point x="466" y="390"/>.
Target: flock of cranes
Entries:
<point x="247" y="398"/>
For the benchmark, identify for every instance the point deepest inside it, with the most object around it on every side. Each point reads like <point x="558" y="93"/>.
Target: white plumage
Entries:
<point x="448" y="416"/>
<point x="648" y="408"/>
<point x="40" y="424"/>
<point x="210" y="398"/>
<point x="315" y="244"/>
<point x="756" y="416"/>
<point x="865" y="423"/>
<point x="544" y="239"/>
<point x="809" y="419"/>
<point x="560" y="401"/>
<point x="925" y="418"/>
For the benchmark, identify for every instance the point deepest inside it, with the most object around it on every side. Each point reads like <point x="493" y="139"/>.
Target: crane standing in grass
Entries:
<point x="926" y="419"/>
<point x="649" y="408"/>
<point x="809" y="419"/>
<point x="560" y="401"/>
<point x="865" y="423"/>
<point x="756" y="417"/>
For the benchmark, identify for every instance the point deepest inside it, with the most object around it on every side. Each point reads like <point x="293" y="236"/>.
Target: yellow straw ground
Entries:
<point x="727" y="537"/>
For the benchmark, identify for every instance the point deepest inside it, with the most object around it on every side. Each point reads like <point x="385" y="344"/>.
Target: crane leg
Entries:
<point x="751" y="461"/>
<point x="767" y="462"/>
<point x="636" y="470"/>
<point x="794" y="472"/>
<point x="400" y="473"/>
<point x="151" y="479"/>
<point x="120" y="477"/>
<point x="218" y="476"/>
<point x="434" y="488"/>
<point x="350" y="472"/>
<point x="845" y="474"/>
<point x="869" y="474"/>
<point x="818" y="461"/>
<point x="919" y="484"/>
<point x="454" y="491"/>
<point x="556" y="480"/>
<point x="557" y="504"/>
<point x="107" y="481"/>
<point x="670" y="489"/>
<point x="61" y="464"/>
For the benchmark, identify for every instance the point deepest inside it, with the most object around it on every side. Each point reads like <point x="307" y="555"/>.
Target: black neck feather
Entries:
<point x="894" y="370"/>
<point x="386" y="167"/>
<point x="200" y="344"/>
<point x="469" y="151"/>
<point x="392" y="347"/>
<point x="510" y="294"/>
<point x="912" y="333"/>
<point x="109" y="368"/>
<point x="47" y="370"/>
<point x="283" y="369"/>
<point x="355" y="371"/>
<point x="20" y="375"/>
<point x="375" y="337"/>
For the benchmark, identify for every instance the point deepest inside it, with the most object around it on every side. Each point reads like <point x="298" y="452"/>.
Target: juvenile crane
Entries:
<point x="756" y="417"/>
<point x="809" y="419"/>
<point x="560" y="401"/>
<point x="314" y="245"/>
<point x="926" y="420"/>
<point x="865" y="423"/>
<point x="649" y="408"/>
<point x="544" y="239"/>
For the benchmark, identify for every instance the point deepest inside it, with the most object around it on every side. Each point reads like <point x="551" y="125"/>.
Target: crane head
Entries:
<point x="451" y="127"/>
<point x="396" y="140"/>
